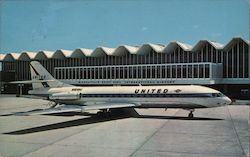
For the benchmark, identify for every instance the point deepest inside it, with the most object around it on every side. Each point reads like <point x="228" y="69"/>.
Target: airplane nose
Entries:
<point x="227" y="101"/>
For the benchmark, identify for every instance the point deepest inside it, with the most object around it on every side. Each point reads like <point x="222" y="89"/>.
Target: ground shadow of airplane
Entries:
<point x="93" y="118"/>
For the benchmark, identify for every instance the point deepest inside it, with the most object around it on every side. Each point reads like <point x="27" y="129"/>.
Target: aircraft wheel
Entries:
<point x="103" y="113"/>
<point x="100" y="114"/>
<point x="191" y="115"/>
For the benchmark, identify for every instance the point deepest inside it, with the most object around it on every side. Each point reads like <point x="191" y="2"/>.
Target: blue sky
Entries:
<point x="34" y="25"/>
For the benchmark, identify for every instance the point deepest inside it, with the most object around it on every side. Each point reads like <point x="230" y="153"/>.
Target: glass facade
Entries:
<point x="141" y="71"/>
<point x="177" y="64"/>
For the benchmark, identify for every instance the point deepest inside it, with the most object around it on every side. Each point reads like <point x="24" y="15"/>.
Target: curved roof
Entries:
<point x="44" y="55"/>
<point x="11" y="56"/>
<point x="81" y="53"/>
<point x="26" y="56"/>
<point x="62" y="54"/>
<point x="147" y="48"/>
<point x="175" y="44"/>
<point x="233" y="41"/>
<point x="119" y="51"/>
<point x="102" y="51"/>
<point x="2" y="56"/>
<point x="202" y="43"/>
<point x="124" y="49"/>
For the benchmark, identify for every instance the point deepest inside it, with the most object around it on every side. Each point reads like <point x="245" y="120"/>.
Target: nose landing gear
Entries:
<point x="191" y="115"/>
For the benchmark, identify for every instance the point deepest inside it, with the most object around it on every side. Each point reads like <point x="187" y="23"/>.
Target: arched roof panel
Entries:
<point x="2" y="56"/>
<point x="81" y="53"/>
<point x="146" y="48"/>
<point x="124" y="49"/>
<point x="175" y="44"/>
<point x="44" y="55"/>
<point x="27" y="56"/>
<point x="87" y="52"/>
<point x="62" y="54"/>
<point x="109" y="51"/>
<point x="102" y="51"/>
<point x="11" y="56"/>
<point x="201" y="43"/>
<point x="233" y="41"/>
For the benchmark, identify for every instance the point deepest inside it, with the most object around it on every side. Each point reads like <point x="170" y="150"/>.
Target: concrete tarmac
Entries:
<point x="214" y="132"/>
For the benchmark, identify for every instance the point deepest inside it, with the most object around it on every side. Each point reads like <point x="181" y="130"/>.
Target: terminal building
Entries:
<point x="223" y="67"/>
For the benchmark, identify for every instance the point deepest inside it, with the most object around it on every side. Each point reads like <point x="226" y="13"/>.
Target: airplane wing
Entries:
<point x="108" y="106"/>
<point x="60" y="109"/>
<point x="75" y="108"/>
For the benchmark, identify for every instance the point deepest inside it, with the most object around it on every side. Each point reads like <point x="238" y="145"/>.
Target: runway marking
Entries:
<point x="194" y="153"/>
<point x="237" y="135"/>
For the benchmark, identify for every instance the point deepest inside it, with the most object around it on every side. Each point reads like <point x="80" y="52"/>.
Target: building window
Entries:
<point x="148" y="74"/>
<point x="184" y="71"/>
<point x="195" y="71"/>
<point x="174" y="69"/>
<point x="130" y="71"/>
<point x="206" y="70"/>
<point x="246" y="61"/>
<point x="201" y="71"/>
<point x="144" y="72"/>
<point x="125" y="72"/>
<point x="117" y="71"/>
<point x="139" y="73"/>
<point x="92" y="71"/>
<point x="81" y="73"/>
<point x="163" y="71"/>
<point x="179" y="71"/>
<point x="230" y="62"/>
<point x="121" y="72"/>
<point x="153" y="74"/>
<point x="109" y="73"/>
<point x="168" y="71"/>
<point x="159" y="72"/>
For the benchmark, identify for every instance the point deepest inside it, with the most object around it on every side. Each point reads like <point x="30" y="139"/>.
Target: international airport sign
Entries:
<point x="140" y="81"/>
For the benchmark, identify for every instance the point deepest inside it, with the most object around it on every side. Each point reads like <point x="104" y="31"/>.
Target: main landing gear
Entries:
<point x="191" y="115"/>
<point x="104" y="113"/>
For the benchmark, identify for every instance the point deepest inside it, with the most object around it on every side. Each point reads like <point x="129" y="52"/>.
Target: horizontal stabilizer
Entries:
<point x="31" y="81"/>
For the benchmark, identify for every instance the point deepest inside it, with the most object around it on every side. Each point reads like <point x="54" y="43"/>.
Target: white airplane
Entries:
<point x="69" y="98"/>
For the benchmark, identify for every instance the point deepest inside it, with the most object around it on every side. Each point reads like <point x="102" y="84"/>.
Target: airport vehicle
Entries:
<point x="69" y="98"/>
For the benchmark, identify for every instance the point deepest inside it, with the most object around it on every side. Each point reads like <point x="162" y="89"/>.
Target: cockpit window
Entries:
<point x="217" y="95"/>
<point x="221" y="95"/>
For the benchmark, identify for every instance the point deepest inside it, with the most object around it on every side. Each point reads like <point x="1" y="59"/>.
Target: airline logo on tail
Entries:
<point x="38" y="77"/>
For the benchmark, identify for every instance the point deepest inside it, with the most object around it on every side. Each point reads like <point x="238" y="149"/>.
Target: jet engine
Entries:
<point x="65" y="96"/>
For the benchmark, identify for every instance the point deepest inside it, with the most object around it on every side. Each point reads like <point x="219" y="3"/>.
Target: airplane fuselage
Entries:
<point x="187" y="97"/>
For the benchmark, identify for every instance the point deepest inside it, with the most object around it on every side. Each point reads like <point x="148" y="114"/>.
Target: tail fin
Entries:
<point x="46" y="80"/>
